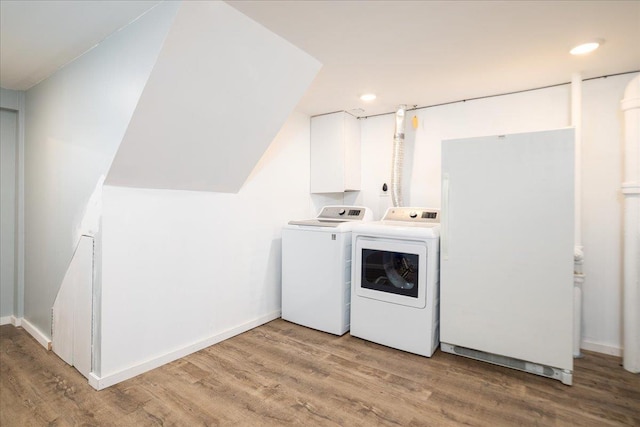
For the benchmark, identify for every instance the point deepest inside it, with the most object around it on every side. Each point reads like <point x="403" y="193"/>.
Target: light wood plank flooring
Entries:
<point x="283" y="374"/>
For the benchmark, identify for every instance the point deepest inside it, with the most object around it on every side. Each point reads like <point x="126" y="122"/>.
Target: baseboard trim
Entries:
<point x="100" y="383"/>
<point x="36" y="333"/>
<point x="601" y="348"/>
<point x="10" y="320"/>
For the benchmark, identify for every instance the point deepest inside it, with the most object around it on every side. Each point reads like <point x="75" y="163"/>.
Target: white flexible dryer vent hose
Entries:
<point x="398" y="158"/>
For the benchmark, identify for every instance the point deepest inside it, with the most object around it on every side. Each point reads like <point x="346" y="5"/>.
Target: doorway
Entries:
<point x="8" y="210"/>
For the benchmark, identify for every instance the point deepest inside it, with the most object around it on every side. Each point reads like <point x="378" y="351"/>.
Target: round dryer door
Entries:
<point x="392" y="271"/>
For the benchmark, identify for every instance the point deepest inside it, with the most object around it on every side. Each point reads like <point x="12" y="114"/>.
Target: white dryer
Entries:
<point x="395" y="280"/>
<point x="316" y="268"/>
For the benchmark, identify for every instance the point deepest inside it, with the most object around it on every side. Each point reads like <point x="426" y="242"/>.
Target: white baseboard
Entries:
<point x="601" y="348"/>
<point x="100" y="383"/>
<point x="36" y="333"/>
<point x="11" y="320"/>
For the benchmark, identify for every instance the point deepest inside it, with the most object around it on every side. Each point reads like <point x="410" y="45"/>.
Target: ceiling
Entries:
<point x="39" y="37"/>
<point x="407" y="52"/>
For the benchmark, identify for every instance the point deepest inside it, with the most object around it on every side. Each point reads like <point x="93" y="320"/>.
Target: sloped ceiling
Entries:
<point x="221" y="89"/>
<point x="39" y="37"/>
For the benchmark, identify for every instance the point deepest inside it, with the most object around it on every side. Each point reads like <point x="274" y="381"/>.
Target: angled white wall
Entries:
<point x="221" y="89"/>
<point x="75" y="121"/>
<point x="184" y="269"/>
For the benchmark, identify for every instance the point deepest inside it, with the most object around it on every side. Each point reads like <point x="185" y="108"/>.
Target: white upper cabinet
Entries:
<point x="335" y="153"/>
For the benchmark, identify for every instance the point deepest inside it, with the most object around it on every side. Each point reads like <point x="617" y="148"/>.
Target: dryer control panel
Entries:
<point x="412" y="214"/>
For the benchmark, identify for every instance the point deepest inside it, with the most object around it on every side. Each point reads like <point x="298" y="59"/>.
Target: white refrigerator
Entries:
<point x="507" y="248"/>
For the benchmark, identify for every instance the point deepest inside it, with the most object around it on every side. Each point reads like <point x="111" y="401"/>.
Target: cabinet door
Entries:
<point x="351" y="153"/>
<point x="335" y="153"/>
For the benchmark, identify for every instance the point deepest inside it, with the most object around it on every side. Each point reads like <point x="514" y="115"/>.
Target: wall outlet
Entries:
<point x="384" y="190"/>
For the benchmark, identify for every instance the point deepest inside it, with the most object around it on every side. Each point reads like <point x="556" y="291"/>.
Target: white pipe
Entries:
<point x="576" y="122"/>
<point x="578" y="257"/>
<point x="631" y="192"/>
<point x="398" y="158"/>
<point x="578" y="280"/>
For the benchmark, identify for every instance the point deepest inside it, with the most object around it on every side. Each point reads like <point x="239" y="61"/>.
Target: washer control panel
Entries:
<point x="412" y="214"/>
<point x="343" y="212"/>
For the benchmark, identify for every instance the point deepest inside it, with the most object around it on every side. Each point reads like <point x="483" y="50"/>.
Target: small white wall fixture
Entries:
<point x="631" y="192"/>
<point x="221" y="89"/>
<point x="72" y="310"/>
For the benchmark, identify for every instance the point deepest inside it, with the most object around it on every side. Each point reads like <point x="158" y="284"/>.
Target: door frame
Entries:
<point x="15" y="101"/>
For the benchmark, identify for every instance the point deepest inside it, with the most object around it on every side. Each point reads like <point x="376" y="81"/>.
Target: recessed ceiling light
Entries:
<point x="368" y="97"/>
<point x="585" y="48"/>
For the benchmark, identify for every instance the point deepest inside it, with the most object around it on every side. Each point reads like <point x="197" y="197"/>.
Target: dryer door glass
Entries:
<point x="391" y="272"/>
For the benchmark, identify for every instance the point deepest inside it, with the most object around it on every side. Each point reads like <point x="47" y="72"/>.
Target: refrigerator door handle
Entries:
<point x="444" y="220"/>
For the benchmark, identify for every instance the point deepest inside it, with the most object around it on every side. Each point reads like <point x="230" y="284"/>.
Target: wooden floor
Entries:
<point x="284" y="374"/>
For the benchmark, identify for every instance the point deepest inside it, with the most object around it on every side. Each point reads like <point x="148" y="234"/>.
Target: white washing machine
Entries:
<point x="316" y="268"/>
<point x="395" y="280"/>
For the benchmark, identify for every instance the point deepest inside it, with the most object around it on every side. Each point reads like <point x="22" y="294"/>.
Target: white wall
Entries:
<point x="602" y="212"/>
<point x="182" y="268"/>
<point x="75" y="121"/>
<point x="534" y="110"/>
<point x="528" y="111"/>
